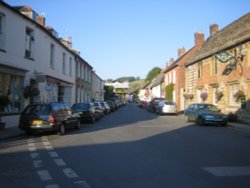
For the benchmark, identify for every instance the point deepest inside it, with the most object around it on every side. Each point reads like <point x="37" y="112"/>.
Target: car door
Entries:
<point x="191" y="112"/>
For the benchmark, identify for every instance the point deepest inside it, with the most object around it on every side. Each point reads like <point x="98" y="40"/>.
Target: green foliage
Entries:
<point x="153" y="73"/>
<point x="128" y="78"/>
<point x="108" y="92"/>
<point x="169" y="91"/>
<point x="136" y="83"/>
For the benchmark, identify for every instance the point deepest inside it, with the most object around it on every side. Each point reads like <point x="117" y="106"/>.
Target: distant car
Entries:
<point x="48" y="117"/>
<point x="154" y="102"/>
<point x="112" y="105"/>
<point x="205" y="114"/>
<point x="106" y="107"/>
<point x="99" y="109"/>
<point x="166" y="107"/>
<point x="86" y="111"/>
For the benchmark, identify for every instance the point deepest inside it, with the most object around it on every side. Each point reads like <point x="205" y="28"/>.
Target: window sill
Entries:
<point x="29" y="58"/>
<point x="2" y="50"/>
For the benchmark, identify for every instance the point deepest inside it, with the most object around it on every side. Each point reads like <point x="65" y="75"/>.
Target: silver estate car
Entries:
<point x="202" y="113"/>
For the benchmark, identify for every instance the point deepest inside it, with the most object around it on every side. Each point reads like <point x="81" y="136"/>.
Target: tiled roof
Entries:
<point x="176" y="63"/>
<point x="233" y="34"/>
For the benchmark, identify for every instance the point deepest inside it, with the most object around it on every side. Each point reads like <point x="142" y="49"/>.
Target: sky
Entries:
<point x="130" y="37"/>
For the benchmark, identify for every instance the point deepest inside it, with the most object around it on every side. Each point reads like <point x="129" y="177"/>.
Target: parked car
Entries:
<point x="154" y="102"/>
<point x="166" y="107"/>
<point x="86" y="111"/>
<point x="48" y="117"/>
<point x="205" y="114"/>
<point x="112" y="105"/>
<point x="99" y="109"/>
<point x="106" y="107"/>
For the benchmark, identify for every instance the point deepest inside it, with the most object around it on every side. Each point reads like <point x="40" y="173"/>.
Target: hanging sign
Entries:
<point x="224" y="57"/>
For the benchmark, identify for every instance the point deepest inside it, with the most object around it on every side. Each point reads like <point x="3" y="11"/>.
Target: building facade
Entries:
<point x="175" y="72"/>
<point x="219" y="72"/>
<point x="36" y="65"/>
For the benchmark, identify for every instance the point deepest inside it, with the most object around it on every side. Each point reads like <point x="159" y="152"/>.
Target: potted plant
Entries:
<point x="203" y="96"/>
<point x="188" y="96"/>
<point x="219" y="95"/>
<point x="239" y="95"/>
<point x="4" y="101"/>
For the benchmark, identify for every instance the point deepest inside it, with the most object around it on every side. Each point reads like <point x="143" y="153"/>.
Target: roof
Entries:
<point x="235" y="33"/>
<point x="158" y="80"/>
<point x="177" y="62"/>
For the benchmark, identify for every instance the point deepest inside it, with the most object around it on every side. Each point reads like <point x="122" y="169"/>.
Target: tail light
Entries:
<point x="51" y="119"/>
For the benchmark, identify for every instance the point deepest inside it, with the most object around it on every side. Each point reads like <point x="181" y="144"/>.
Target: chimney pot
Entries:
<point x="199" y="39"/>
<point x="41" y="20"/>
<point x="214" y="28"/>
<point x="181" y="51"/>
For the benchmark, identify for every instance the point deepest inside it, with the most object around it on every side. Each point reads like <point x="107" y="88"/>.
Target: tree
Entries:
<point x="109" y="92"/>
<point x="152" y="73"/>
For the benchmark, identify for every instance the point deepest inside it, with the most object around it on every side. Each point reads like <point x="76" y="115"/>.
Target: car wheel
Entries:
<point x="78" y="125"/>
<point x="92" y="119"/>
<point x="62" y="129"/>
<point x="224" y="124"/>
<point x="200" y="121"/>
<point x="28" y="132"/>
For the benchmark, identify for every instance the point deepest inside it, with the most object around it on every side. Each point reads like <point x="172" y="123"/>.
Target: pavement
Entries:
<point x="14" y="131"/>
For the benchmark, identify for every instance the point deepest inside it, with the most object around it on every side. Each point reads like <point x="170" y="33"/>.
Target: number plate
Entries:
<point x="37" y="122"/>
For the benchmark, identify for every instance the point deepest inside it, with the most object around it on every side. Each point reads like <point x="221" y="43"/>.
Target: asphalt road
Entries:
<point x="130" y="148"/>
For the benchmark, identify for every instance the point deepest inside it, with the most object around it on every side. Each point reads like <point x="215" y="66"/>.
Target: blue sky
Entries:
<point x="130" y="37"/>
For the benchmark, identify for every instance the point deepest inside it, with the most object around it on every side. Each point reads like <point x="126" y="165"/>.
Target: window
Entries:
<point x="232" y="90"/>
<point x="174" y="77"/>
<point x="64" y="63"/>
<point x="199" y="70"/>
<point x="214" y="67"/>
<point x="70" y="66"/>
<point x="2" y="31"/>
<point x="29" y="43"/>
<point x="52" y="56"/>
<point x="215" y="97"/>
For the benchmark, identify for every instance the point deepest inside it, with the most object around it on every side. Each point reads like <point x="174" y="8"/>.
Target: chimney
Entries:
<point x="181" y="51"/>
<point x="41" y="20"/>
<point x="214" y="28"/>
<point x="199" y="39"/>
<point x="171" y="60"/>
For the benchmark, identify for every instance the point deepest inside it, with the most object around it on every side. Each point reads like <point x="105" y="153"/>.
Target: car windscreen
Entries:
<point x="169" y="103"/>
<point x="208" y="107"/>
<point x="81" y="106"/>
<point x="37" y="109"/>
<point x="212" y="108"/>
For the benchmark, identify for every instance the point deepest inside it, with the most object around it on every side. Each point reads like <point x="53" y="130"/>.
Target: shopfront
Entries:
<point x="11" y="85"/>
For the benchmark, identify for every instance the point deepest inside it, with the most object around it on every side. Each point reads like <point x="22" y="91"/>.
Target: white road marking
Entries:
<point x="44" y="175"/>
<point x="84" y="183"/>
<point x="52" y="186"/>
<point x="34" y="155"/>
<point x="37" y="163"/>
<point x="70" y="173"/>
<point x="53" y="154"/>
<point x="229" y="170"/>
<point x="59" y="162"/>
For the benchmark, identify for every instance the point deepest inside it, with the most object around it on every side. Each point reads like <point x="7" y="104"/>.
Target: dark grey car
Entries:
<point x="48" y="117"/>
<point x="202" y="113"/>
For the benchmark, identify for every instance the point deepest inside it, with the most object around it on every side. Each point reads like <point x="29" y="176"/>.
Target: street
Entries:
<point x="130" y="148"/>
